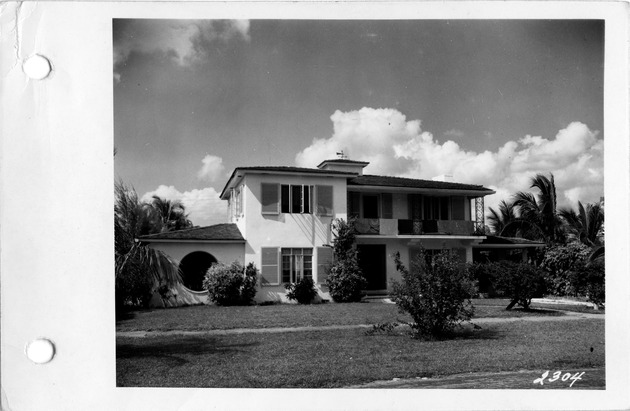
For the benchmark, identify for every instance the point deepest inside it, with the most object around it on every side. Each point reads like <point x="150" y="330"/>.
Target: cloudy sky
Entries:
<point x="487" y="102"/>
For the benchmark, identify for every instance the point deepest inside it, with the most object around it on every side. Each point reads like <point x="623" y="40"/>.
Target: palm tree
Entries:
<point x="172" y="214"/>
<point x="139" y="268"/>
<point x="538" y="217"/>
<point x="497" y="220"/>
<point x="585" y="225"/>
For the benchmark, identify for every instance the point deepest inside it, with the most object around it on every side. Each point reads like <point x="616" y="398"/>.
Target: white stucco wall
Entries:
<point x="224" y="253"/>
<point x="284" y="229"/>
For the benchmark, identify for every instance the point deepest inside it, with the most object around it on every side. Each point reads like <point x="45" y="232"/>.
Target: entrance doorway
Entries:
<point x="372" y="261"/>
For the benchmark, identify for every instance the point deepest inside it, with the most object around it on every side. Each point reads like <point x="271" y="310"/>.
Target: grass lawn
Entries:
<point x="199" y="318"/>
<point x="328" y="359"/>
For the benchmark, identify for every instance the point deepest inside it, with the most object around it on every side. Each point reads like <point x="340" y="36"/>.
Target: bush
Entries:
<point x="303" y="291"/>
<point x="589" y="280"/>
<point x="483" y="273"/>
<point x="345" y="280"/>
<point x="520" y="282"/>
<point x="560" y="263"/>
<point x="231" y="285"/>
<point x="135" y="285"/>
<point x="436" y="293"/>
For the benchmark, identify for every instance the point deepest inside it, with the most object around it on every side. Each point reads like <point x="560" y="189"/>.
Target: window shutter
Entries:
<point x="354" y="204"/>
<point x="324" y="261"/>
<point x="325" y="200"/>
<point x="269" y="265"/>
<point x="386" y="206"/>
<point x="457" y="206"/>
<point x="269" y="198"/>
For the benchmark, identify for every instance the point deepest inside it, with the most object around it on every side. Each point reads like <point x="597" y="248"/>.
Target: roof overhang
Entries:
<point x="445" y="191"/>
<point x="422" y="237"/>
<point x="509" y="246"/>
<point x="239" y="173"/>
<point x="177" y="240"/>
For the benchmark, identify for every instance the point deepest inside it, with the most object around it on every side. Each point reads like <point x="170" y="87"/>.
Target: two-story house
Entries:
<point x="280" y="218"/>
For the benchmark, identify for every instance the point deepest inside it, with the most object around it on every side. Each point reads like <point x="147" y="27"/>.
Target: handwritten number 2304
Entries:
<point x="558" y="376"/>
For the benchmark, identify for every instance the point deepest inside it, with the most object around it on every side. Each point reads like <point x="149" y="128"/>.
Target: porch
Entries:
<point x="394" y="227"/>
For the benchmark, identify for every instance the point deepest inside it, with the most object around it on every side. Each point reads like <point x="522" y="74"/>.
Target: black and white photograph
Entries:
<point x="359" y="203"/>
<point x="326" y="205"/>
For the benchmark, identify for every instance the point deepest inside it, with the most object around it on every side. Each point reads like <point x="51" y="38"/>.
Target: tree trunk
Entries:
<point x="512" y="304"/>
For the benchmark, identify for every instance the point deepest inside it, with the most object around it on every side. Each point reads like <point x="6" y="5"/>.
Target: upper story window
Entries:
<point x="296" y="199"/>
<point x="235" y="202"/>
<point x="366" y="205"/>
<point x="436" y="208"/>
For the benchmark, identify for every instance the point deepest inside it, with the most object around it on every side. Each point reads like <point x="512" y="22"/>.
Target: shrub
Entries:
<point x="303" y="290"/>
<point x="560" y="263"/>
<point x="135" y="286"/>
<point x="231" y="285"/>
<point x="345" y="280"/>
<point x="483" y="273"/>
<point x="520" y="282"/>
<point x="436" y="293"/>
<point x="589" y="280"/>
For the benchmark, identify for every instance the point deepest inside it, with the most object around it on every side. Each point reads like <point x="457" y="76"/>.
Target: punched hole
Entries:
<point x="40" y="350"/>
<point x="37" y="67"/>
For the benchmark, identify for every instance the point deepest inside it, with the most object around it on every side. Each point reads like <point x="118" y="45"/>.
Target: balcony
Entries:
<point x="381" y="226"/>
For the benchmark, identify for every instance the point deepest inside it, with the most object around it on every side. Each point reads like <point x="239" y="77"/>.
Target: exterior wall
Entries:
<point x="224" y="253"/>
<point x="407" y="247"/>
<point x="287" y="230"/>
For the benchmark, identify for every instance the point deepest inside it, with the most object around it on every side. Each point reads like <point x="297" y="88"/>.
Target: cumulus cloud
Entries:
<point x="396" y="146"/>
<point x="203" y="206"/>
<point x="181" y="40"/>
<point x="212" y="168"/>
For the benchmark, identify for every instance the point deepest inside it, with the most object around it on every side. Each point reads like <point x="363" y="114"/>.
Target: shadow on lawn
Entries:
<point x="158" y="348"/>
<point x="463" y="332"/>
<point x="539" y="311"/>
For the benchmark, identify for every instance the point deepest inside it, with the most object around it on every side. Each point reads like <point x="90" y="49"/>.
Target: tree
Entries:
<point x="172" y="214"/>
<point x="506" y="214"/>
<point x="586" y="225"/>
<point x="139" y="269"/>
<point x="436" y="292"/>
<point x="562" y="263"/>
<point x="520" y="282"/>
<point x="538" y="218"/>
<point x="345" y="279"/>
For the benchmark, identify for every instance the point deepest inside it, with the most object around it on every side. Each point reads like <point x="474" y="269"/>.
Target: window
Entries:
<point x="458" y="208"/>
<point x="370" y="206"/>
<point x="236" y="202"/>
<point x="297" y="263"/>
<point x="295" y="199"/>
<point x="436" y="208"/>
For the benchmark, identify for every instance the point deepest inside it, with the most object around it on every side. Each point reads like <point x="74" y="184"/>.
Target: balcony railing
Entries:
<point x="376" y="226"/>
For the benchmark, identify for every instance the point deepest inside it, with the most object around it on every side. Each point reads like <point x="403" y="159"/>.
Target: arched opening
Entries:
<point x="194" y="267"/>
